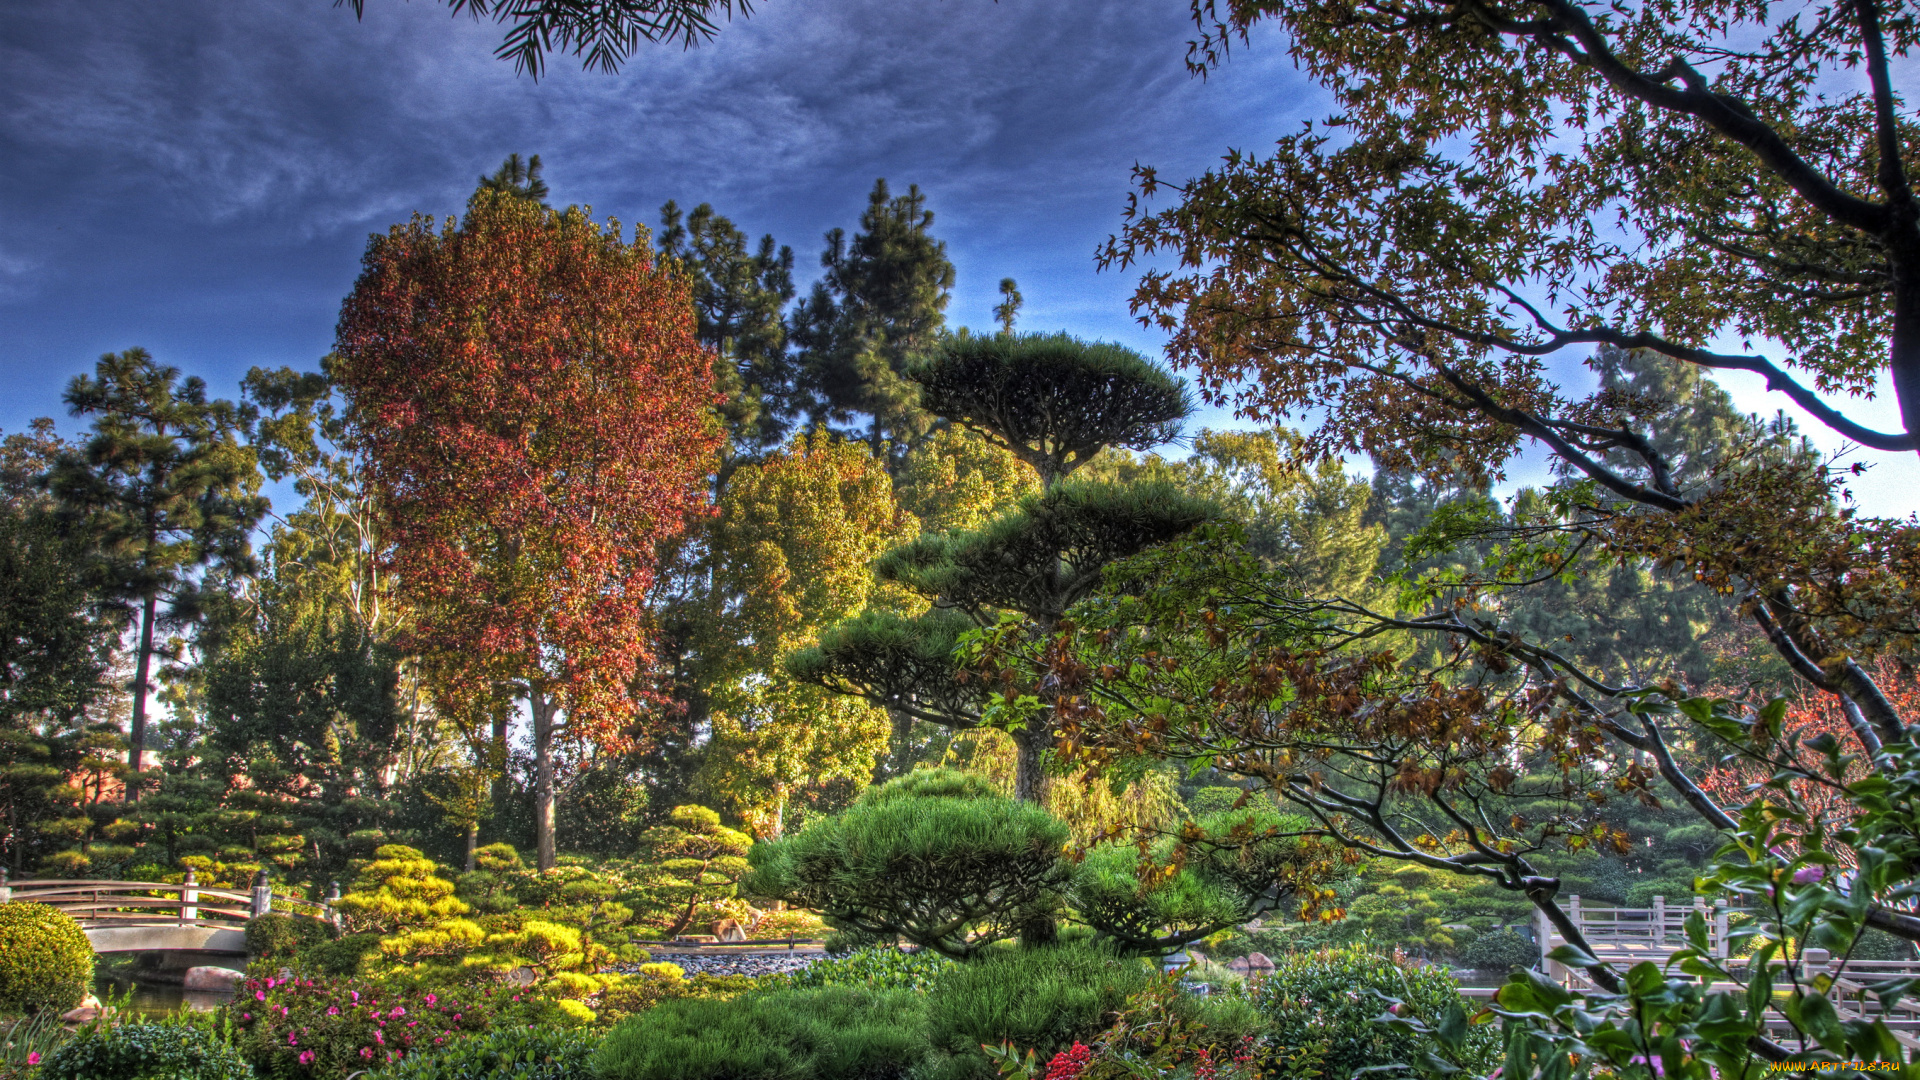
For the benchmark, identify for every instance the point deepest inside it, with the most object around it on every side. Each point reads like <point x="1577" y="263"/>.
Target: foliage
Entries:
<point x="1498" y="950"/>
<point x="399" y="889"/>
<point x="1332" y="997"/>
<point x="1215" y="872"/>
<point x="916" y="858"/>
<point x="877" y="967"/>
<point x="529" y="1053"/>
<point x="1163" y="1030"/>
<point x="46" y="962"/>
<point x="316" y="1028"/>
<point x="28" y="1040"/>
<point x="166" y="1049"/>
<point x="161" y="487"/>
<point x="821" y="1034"/>
<point x="527" y="483"/>
<point x="700" y="861"/>
<point x="282" y="937"/>
<point x="1043" y="999"/>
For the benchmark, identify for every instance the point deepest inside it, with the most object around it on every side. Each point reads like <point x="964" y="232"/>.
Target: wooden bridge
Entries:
<point x="1626" y="936"/>
<point x="158" y="916"/>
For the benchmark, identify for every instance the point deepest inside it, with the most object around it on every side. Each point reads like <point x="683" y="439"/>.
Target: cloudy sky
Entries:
<point x="199" y="176"/>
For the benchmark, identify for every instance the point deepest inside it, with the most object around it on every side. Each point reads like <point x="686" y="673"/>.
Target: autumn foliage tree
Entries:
<point x="537" y="416"/>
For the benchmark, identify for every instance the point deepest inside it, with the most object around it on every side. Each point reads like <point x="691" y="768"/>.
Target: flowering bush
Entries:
<point x="308" y="1027"/>
<point x="184" y="1048"/>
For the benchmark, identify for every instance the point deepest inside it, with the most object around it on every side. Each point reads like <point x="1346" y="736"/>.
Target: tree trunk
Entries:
<point x="497" y="761"/>
<point x="542" y="709"/>
<point x="1029" y="782"/>
<point x="473" y="844"/>
<point x="142" y="667"/>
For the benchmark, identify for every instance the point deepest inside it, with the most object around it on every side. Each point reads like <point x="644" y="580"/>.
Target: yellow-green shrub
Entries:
<point x="45" y="959"/>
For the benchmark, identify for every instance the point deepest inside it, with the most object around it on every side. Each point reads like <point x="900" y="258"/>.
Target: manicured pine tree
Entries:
<point x="1054" y="403"/>
<point x="163" y="488"/>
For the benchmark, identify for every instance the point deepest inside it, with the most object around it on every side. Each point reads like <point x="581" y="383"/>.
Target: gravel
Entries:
<point x="734" y="964"/>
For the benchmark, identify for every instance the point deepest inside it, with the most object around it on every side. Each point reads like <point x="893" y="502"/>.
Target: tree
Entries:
<point x="880" y="306"/>
<point x="1053" y="403"/>
<point x="702" y="861"/>
<point x="520" y="179"/>
<point x="1008" y="309"/>
<point x="536" y="415"/>
<point x="163" y="487"/>
<point x="603" y="33"/>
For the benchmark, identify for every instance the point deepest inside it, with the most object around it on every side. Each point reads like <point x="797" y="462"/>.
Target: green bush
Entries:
<point x="1318" y="996"/>
<point x="878" y="968"/>
<point x="1500" y="950"/>
<point x="926" y="858"/>
<point x="282" y="937"/>
<point x="163" y="1050"/>
<point x="45" y="960"/>
<point x="518" y="1053"/>
<point x="1038" y="999"/>
<point x="834" y="1033"/>
<point x="1880" y="945"/>
<point x="342" y="955"/>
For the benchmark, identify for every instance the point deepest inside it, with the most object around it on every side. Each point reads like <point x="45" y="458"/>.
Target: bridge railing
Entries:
<point x="161" y="903"/>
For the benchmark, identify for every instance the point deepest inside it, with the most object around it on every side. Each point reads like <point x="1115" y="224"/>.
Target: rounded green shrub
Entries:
<point x="282" y="937"/>
<point x="517" y="1053"/>
<point x="1041" y="999"/>
<point x="1500" y="950"/>
<point x="45" y="959"/>
<point x="834" y="1033"/>
<point x="157" y="1051"/>
<point x="876" y="967"/>
<point x="1325" y="995"/>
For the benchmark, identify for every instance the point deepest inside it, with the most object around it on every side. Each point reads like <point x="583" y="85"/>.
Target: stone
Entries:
<point x="80" y="1015"/>
<point x="522" y="976"/>
<point x="1259" y="962"/>
<point x="1238" y="965"/>
<point x="729" y="930"/>
<point x="212" y="978"/>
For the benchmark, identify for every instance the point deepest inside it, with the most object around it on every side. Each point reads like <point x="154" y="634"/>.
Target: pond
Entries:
<point x="151" y="998"/>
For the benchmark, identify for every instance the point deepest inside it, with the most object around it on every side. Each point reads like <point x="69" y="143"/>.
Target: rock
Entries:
<point x="729" y="930"/>
<point x="212" y="978"/>
<point x="1238" y="965"/>
<point x="522" y="976"/>
<point x="1259" y="962"/>
<point x="81" y="1015"/>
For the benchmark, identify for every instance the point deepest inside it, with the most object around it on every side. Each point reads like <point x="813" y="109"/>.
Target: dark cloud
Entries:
<point x="199" y="176"/>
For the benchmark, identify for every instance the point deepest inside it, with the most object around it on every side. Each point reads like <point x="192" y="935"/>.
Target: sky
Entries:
<point x="199" y="177"/>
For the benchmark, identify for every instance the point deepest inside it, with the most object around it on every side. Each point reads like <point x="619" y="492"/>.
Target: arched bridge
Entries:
<point x="158" y="916"/>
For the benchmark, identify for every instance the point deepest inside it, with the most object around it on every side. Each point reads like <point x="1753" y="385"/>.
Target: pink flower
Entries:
<point x="1808" y="874"/>
<point x="431" y="999"/>
<point x="333" y="1010"/>
<point x="367" y="1052"/>
<point x="292" y="1040"/>
<point x="379" y="1038"/>
<point x="259" y="995"/>
<point x="306" y="1057"/>
<point x="33" y="1057"/>
<point x="356" y="996"/>
<point x="398" y="1011"/>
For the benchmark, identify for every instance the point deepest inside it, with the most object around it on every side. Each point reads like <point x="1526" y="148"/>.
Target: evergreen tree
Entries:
<point x="881" y="304"/>
<point x="1053" y="403"/>
<point x="163" y="488"/>
<point x="520" y="179"/>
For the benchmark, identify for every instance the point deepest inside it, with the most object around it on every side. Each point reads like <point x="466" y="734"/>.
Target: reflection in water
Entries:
<point x="159" y="998"/>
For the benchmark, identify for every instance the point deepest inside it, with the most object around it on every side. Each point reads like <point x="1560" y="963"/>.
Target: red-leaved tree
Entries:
<point x="537" y="416"/>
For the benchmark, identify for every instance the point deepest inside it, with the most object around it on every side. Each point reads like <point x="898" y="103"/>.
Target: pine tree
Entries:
<point x="520" y="179"/>
<point x="1053" y="403"/>
<point x="163" y="488"/>
<point x="881" y="304"/>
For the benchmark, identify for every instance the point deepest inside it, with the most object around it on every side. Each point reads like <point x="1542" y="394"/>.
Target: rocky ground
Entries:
<point x="755" y="963"/>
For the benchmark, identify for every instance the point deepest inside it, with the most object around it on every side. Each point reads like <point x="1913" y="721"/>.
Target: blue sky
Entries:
<point x="199" y="176"/>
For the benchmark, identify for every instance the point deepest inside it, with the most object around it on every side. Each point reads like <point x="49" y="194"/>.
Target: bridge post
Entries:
<point x="6" y="890"/>
<point x="333" y="903"/>
<point x="1660" y="920"/>
<point x="190" y="899"/>
<point x="262" y="895"/>
<point x="1573" y="912"/>
<point x="1720" y="929"/>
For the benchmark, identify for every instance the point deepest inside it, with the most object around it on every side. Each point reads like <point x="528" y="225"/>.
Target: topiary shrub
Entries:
<point x="162" y="1050"/>
<point x="877" y="968"/>
<point x="927" y="858"/>
<point x="1500" y="950"/>
<point x="1037" y="999"/>
<point x="282" y="937"/>
<point x="1323" y="996"/>
<point x="519" y="1053"/>
<point x="834" y="1033"/>
<point x="45" y="959"/>
<point x="342" y="956"/>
